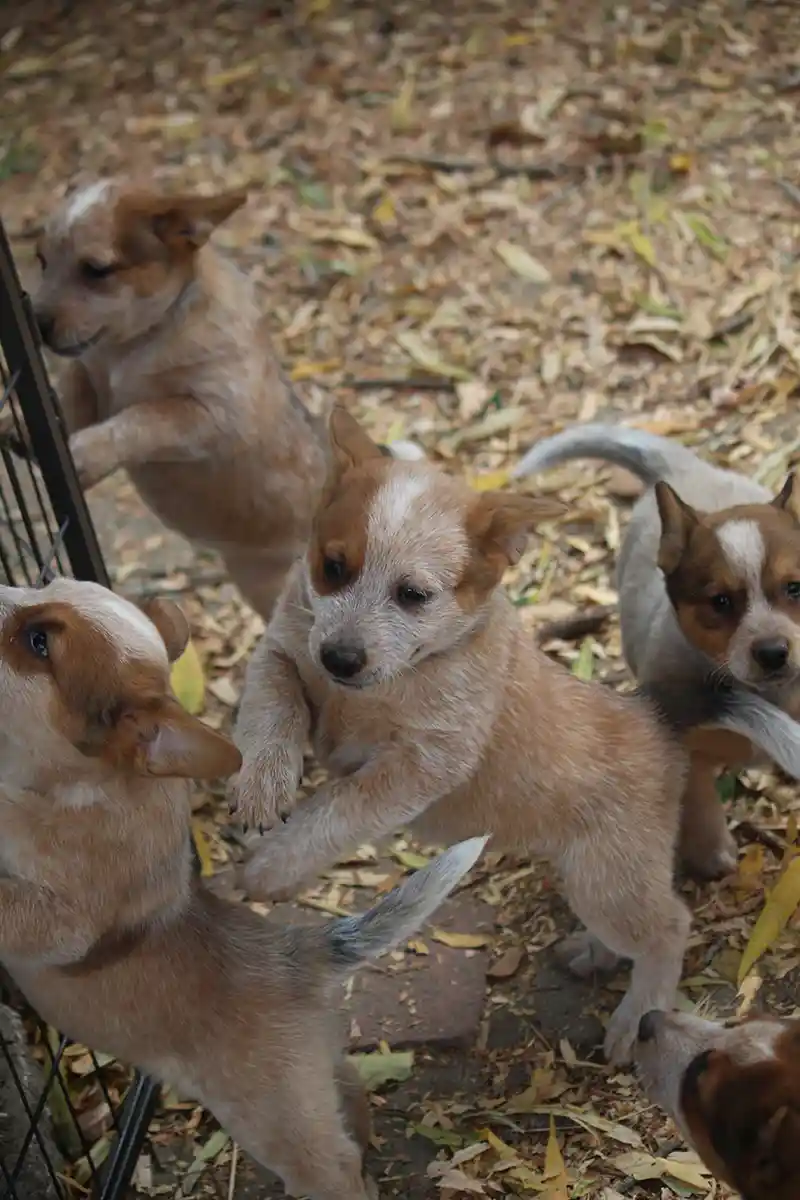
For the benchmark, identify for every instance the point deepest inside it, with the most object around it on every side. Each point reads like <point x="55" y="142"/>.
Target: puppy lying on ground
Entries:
<point x="105" y="928"/>
<point x="174" y="377"/>
<point x="394" y="646"/>
<point x="733" y="1092"/>
<point x="709" y="590"/>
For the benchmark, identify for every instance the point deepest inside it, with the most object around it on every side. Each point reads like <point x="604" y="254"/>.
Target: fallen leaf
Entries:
<point x="427" y="357"/>
<point x="203" y="850"/>
<point x="555" y="1173"/>
<point x="188" y="680"/>
<point x="522" y="263"/>
<point x="706" y="236"/>
<point x="585" y="1117"/>
<point x="23" y="68"/>
<point x="347" y="235"/>
<point x="473" y="396"/>
<point x="382" y="1067"/>
<point x="401" y="115"/>
<point x="206" y="1153"/>
<point x="507" y="964"/>
<point x="488" y="481"/>
<point x="234" y="75"/>
<point x="780" y="906"/>
<point x="461" y="941"/>
<point x="225" y="691"/>
<point x="309" y="370"/>
<point x="410" y="858"/>
<point x="384" y="212"/>
<point x="583" y="667"/>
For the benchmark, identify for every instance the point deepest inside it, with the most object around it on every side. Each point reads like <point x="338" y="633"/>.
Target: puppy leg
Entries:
<point x="627" y="902"/>
<point x="707" y="846"/>
<point x="355" y="1104"/>
<point x="259" y="576"/>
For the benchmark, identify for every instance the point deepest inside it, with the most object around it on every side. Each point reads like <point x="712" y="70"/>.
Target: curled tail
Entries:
<point x="732" y="708"/>
<point x="355" y="940"/>
<point x="644" y="454"/>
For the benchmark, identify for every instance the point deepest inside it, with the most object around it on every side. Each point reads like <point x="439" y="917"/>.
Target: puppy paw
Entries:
<point x="94" y="454"/>
<point x="584" y="955"/>
<point x="264" y="791"/>
<point x="268" y="874"/>
<point x="715" y="862"/>
<point x="622" y="1033"/>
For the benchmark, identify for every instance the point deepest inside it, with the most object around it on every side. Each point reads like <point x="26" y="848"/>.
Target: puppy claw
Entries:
<point x="584" y="956"/>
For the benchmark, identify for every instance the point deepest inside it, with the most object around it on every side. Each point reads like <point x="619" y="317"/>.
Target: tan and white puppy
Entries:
<point x="395" y="647"/>
<point x="734" y="1092"/>
<point x="173" y="376"/>
<point x="107" y="931"/>
<point x="709" y="589"/>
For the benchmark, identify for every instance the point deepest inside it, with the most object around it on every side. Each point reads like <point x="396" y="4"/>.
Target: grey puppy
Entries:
<point x="709" y="589"/>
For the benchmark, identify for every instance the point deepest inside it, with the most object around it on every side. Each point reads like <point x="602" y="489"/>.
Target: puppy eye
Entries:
<point x="408" y="595"/>
<point x="721" y="603"/>
<point x="37" y="641"/>
<point x="793" y="589"/>
<point x="334" y="569"/>
<point x="93" y="270"/>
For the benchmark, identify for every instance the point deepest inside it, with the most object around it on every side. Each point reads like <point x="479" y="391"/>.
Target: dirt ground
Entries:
<point x="475" y="223"/>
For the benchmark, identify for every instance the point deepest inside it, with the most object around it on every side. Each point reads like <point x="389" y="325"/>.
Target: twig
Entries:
<point x="503" y="170"/>
<point x="232" y="1177"/>
<point x="754" y="833"/>
<point x="575" y="626"/>
<point x="422" y="383"/>
<point x="791" y="191"/>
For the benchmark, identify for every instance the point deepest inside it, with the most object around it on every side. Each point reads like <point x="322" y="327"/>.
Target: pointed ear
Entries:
<point x="170" y="623"/>
<point x="498" y="524"/>
<point x="185" y="223"/>
<point x="351" y="445"/>
<point x="788" y="497"/>
<point x="168" y="742"/>
<point x="677" y="522"/>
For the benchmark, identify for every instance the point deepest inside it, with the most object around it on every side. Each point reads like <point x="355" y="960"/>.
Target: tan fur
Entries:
<point x="457" y="723"/>
<point x="735" y="1092"/>
<point x="174" y="377"/>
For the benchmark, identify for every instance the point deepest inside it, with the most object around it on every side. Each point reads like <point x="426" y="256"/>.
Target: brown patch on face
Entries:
<point x="745" y="1120"/>
<point x="109" y="706"/>
<point x="357" y="469"/>
<point x="497" y="526"/>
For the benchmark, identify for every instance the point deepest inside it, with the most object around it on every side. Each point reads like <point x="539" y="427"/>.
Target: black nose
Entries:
<point x="771" y="654"/>
<point x="648" y="1026"/>
<point x="46" y="325"/>
<point x="342" y="661"/>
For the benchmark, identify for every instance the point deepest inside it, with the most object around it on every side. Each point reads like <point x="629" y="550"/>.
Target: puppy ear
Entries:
<point x="498" y="523"/>
<point x="168" y="742"/>
<point x="170" y="623"/>
<point x="677" y="522"/>
<point x="185" y="223"/>
<point x="351" y="445"/>
<point x="788" y="497"/>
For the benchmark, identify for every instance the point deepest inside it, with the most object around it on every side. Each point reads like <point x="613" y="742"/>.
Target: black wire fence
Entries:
<point x="72" y="1122"/>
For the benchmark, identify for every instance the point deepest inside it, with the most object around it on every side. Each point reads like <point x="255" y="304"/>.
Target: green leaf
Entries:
<point x="383" y="1067"/>
<point x="583" y="667"/>
<point x="188" y="680"/>
<point x="706" y="236"/>
<point x="782" y="902"/>
<point x="439" y="1136"/>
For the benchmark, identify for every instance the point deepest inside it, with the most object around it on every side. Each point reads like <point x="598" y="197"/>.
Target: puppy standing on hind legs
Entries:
<point x="395" y="648"/>
<point x="107" y="931"/>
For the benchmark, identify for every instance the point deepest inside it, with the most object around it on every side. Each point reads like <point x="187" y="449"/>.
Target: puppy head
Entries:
<point x="734" y="581"/>
<point x="84" y="675"/>
<point x="734" y="1092"/>
<point x="114" y="259"/>
<point x="403" y="559"/>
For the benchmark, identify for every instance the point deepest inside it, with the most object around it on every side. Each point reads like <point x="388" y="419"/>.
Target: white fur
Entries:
<point x="743" y="544"/>
<point x="132" y="632"/>
<point x="393" y="507"/>
<point x="84" y="200"/>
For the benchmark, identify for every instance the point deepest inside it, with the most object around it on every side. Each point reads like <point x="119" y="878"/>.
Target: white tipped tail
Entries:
<point x="646" y="455"/>
<point x="356" y="940"/>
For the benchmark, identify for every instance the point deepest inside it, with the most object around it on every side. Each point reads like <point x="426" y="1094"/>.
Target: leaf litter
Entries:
<point x="474" y="227"/>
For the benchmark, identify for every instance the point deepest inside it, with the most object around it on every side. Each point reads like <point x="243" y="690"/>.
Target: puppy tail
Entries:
<point x="735" y="709"/>
<point x="646" y="455"/>
<point x="356" y="940"/>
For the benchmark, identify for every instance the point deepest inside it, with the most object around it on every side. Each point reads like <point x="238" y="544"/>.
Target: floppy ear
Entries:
<point x="185" y="223"/>
<point x="168" y="742"/>
<point x="788" y="497"/>
<point x="498" y="524"/>
<point x="351" y="445"/>
<point x="677" y="522"/>
<point x="170" y="623"/>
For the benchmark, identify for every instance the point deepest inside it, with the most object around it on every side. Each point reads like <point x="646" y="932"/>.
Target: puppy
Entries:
<point x="733" y="1092"/>
<point x="709" y="588"/>
<point x="172" y="375"/>
<point x="396" y="649"/>
<point x="107" y="931"/>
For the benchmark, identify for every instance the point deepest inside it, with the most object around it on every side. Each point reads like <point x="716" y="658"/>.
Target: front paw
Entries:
<point x="94" y="456"/>
<point x="264" y="793"/>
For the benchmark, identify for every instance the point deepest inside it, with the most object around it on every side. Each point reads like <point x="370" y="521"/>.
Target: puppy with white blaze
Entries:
<point x="709" y="592"/>
<point x="395" y="648"/>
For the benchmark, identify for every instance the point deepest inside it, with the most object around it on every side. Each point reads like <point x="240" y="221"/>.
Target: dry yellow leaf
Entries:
<point x="347" y="235"/>
<point x="203" y="850"/>
<point x="243" y="71"/>
<point x="308" y="370"/>
<point x="400" y="114"/>
<point x="384" y="212"/>
<point x="780" y="906"/>
<point x="522" y="263"/>
<point x="489" y="481"/>
<point x="461" y="941"/>
<point x="188" y="680"/>
<point x="555" y="1173"/>
<point x="427" y="357"/>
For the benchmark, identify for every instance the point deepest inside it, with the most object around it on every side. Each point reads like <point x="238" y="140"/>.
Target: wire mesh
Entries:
<point x="48" y="1147"/>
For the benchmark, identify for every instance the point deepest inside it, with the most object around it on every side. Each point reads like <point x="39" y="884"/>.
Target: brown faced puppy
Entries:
<point x="709" y="587"/>
<point x="107" y="932"/>
<point x="734" y="1093"/>
<point x="395" y="647"/>
<point x="172" y="375"/>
